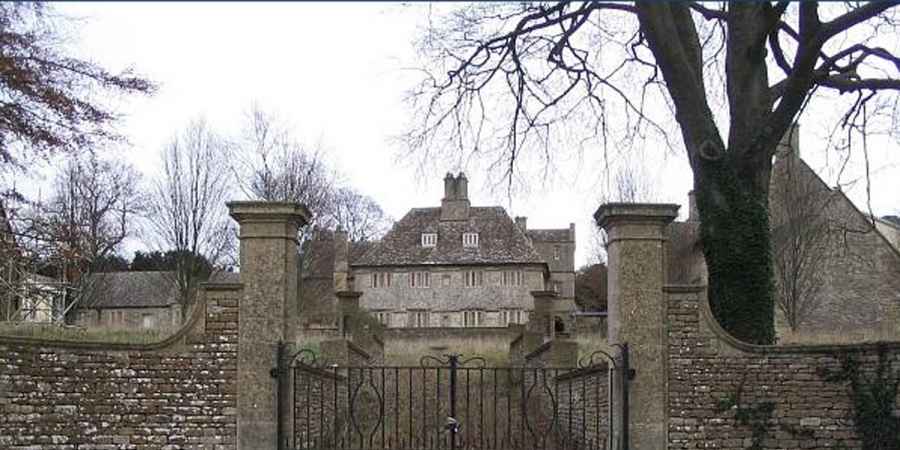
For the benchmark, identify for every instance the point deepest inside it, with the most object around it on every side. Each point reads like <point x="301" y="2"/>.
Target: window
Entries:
<point x="384" y="317"/>
<point x="508" y="316"/>
<point x="148" y="321"/>
<point x="381" y="279"/>
<point x="429" y="239"/>
<point x="418" y="319"/>
<point x="473" y="318"/>
<point x="419" y="279"/>
<point x="474" y="278"/>
<point x="470" y="239"/>
<point x="512" y="278"/>
<point x="445" y="280"/>
<point x="556" y="252"/>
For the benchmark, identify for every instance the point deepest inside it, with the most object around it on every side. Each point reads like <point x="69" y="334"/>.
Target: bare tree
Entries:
<point x="358" y="215"/>
<point x="50" y="101"/>
<point x="92" y="209"/>
<point x="804" y="240"/>
<point x="187" y="209"/>
<point x="514" y="82"/>
<point x="272" y="165"/>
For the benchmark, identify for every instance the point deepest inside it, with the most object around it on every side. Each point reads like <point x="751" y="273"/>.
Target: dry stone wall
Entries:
<point x="729" y="395"/>
<point x="178" y="394"/>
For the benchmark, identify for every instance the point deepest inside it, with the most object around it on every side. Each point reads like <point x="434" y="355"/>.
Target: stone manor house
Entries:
<point x="455" y="265"/>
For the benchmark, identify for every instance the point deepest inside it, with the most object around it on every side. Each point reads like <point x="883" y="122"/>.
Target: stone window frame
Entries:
<point x="470" y="240"/>
<point x="384" y="317"/>
<point x="510" y="315"/>
<point x="477" y="316"/>
<point x="473" y="278"/>
<point x="429" y="240"/>
<point x="557" y="252"/>
<point x="420" y="279"/>
<point x="419" y="318"/>
<point x="512" y="278"/>
<point x="381" y="280"/>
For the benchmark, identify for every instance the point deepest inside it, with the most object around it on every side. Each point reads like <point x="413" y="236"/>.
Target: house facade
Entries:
<point x="130" y="300"/>
<point x="458" y="265"/>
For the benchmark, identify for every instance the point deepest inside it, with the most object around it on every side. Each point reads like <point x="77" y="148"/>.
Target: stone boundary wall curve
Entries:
<point x="180" y="392"/>
<point x="713" y="379"/>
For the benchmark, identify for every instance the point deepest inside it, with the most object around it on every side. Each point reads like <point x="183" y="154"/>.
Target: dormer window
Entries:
<point x="470" y="239"/>
<point x="429" y="239"/>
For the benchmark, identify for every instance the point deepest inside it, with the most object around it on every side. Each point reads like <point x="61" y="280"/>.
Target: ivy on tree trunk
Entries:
<point x="734" y="231"/>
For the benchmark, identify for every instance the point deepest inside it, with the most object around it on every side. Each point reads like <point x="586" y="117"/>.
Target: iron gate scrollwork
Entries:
<point x="452" y="402"/>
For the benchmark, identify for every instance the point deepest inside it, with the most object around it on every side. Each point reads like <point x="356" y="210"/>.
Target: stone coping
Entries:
<point x="736" y="344"/>
<point x="538" y="350"/>
<point x="358" y="350"/>
<point x="325" y="373"/>
<point x="584" y="371"/>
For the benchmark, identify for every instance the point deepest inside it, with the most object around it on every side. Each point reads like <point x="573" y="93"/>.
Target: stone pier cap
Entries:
<point x="262" y="211"/>
<point x="613" y="213"/>
<point x="610" y="215"/>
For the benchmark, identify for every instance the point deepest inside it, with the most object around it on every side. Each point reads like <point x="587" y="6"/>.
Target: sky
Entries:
<point x="338" y="72"/>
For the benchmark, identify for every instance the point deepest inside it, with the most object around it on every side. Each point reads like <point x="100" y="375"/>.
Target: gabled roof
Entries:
<point x="499" y="240"/>
<point x="130" y="290"/>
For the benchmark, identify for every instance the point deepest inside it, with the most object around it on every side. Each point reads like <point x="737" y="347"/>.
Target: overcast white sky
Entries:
<point x="336" y="71"/>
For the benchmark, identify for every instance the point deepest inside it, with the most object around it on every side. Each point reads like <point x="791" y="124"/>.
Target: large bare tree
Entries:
<point x="273" y="165"/>
<point x="49" y="101"/>
<point x="187" y="208"/>
<point x="514" y="82"/>
<point x="92" y="208"/>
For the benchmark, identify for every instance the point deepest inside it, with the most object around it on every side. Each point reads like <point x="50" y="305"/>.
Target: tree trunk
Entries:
<point x="734" y="231"/>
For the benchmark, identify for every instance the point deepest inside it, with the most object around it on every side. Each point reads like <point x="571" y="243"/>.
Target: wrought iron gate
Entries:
<point x="452" y="402"/>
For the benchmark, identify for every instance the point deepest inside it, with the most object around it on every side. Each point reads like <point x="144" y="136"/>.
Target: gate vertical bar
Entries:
<point x="626" y="377"/>
<point x="454" y="363"/>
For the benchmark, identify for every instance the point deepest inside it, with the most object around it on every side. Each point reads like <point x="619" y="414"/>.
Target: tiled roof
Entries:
<point x="549" y="235"/>
<point x="130" y="290"/>
<point x="499" y="240"/>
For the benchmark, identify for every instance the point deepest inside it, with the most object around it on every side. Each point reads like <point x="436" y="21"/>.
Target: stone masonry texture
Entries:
<point x="181" y="395"/>
<point x="706" y="367"/>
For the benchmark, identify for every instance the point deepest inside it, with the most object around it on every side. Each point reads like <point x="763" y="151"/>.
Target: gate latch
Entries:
<point x="451" y="425"/>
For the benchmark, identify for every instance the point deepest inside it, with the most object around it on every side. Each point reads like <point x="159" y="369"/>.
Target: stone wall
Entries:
<point x="584" y="406"/>
<point x="714" y="379"/>
<point x="409" y="344"/>
<point x="179" y="393"/>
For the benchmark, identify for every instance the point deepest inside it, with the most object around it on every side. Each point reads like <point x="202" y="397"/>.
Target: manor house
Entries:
<point x="455" y="265"/>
